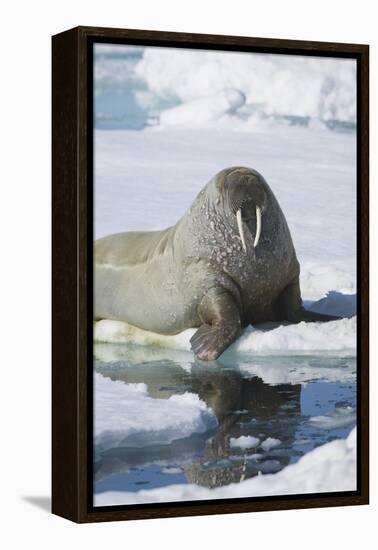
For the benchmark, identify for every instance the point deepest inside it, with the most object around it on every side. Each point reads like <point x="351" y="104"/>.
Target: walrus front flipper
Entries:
<point x="221" y="324"/>
<point x="291" y="307"/>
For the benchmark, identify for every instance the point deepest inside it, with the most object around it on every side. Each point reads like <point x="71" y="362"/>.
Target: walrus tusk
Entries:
<point x="258" y="226"/>
<point x="240" y="227"/>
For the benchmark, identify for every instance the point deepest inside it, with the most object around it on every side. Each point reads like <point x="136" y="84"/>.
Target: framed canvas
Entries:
<point x="210" y="274"/>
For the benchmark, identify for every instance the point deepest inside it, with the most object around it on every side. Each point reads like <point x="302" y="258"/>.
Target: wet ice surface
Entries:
<point x="250" y="423"/>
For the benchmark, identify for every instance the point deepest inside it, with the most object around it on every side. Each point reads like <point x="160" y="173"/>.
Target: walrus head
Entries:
<point x="244" y="193"/>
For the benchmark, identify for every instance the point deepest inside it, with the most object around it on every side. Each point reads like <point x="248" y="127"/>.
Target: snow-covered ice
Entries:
<point x="304" y="86"/>
<point x="305" y="337"/>
<point x="341" y="416"/>
<point x="244" y="442"/>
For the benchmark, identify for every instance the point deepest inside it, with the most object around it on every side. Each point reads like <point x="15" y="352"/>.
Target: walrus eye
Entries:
<point x="241" y="230"/>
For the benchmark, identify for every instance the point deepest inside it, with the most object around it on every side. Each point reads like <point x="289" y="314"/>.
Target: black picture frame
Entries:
<point x="72" y="238"/>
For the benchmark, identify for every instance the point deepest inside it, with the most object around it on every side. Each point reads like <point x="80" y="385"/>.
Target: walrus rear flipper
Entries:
<point x="313" y="317"/>
<point x="221" y="324"/>
<point x="291" y="307"/>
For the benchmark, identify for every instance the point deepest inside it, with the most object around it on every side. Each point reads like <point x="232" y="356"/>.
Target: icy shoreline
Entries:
<point x="328" y="468"/>
<point x="125" y="415"/>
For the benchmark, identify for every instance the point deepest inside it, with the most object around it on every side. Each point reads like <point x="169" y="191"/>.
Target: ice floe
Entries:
<point x="328" y="468"/>
<point x="125" y="415"/>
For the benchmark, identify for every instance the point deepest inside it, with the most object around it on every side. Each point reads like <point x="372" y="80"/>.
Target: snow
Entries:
<point x="244" y="442"/>
<point x="270" y="443"/>
<point x="333" y="336"/>
<point x="328" y="468"/>
<point x="203" y="111"/>
<point x="125" y="415"/>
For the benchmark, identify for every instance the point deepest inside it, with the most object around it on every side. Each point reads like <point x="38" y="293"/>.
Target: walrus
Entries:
<point x="228" y="262"/>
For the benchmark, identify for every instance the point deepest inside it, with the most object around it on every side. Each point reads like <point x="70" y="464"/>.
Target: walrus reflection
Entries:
<point x="243" y="406"/>
<point x="239" y="402"/>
